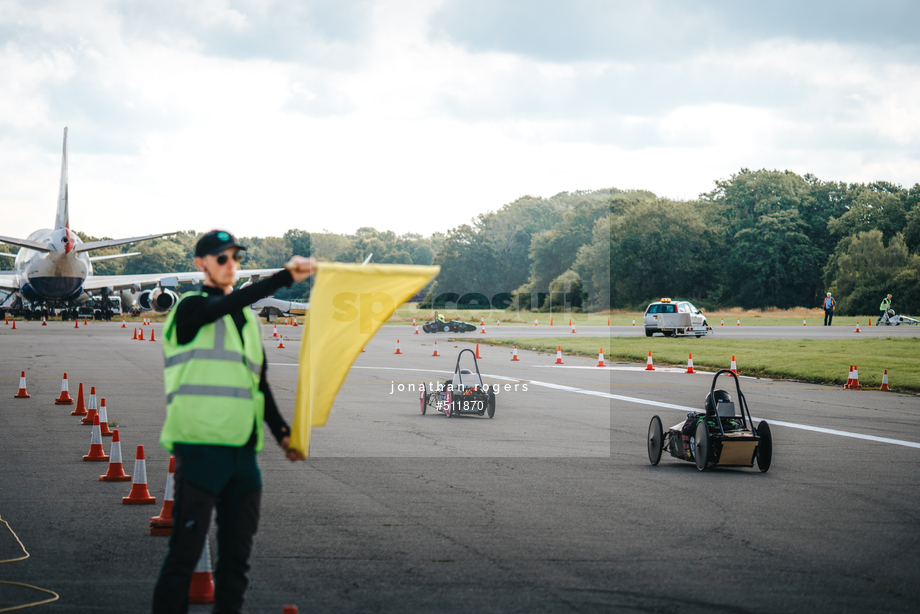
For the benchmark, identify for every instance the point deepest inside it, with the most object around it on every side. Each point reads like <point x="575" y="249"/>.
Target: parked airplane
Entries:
<point x="53" y="269"/>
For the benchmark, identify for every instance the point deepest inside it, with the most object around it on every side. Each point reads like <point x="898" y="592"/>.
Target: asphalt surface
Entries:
<point x="552" y="506"/>
<point x="726" y="332"/>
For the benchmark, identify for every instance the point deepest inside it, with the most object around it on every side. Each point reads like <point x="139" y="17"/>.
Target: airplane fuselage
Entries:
<point x="57" y="275"/>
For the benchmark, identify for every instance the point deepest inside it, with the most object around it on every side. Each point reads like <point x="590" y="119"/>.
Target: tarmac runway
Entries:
<point x="552" y="506"/>
<point x="727" y="332"/>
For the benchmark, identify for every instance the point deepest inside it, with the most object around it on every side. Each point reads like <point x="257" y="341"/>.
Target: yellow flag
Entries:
<point x="348" y="304"/>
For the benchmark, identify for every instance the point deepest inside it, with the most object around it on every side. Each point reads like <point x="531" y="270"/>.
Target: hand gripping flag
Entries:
<point x="348" y="304"/>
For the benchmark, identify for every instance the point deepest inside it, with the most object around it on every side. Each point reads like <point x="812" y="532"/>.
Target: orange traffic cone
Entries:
<point x="281" y="342"/>
<point x="435" y="352"/>
<point x="648" y="363"/>
<point x="739" y="321"/>
<point x="414" y="325"/>
<point x="573" y="328"/>
<point x="885" y="382"/>
<point x="81" y="408"/>
<point x="855" y="385"/>
<point x="535" y="323"/>
<point x="634" y="322"/>
<point x="600" y="359"/>
<point x="551" y="320"/>
<point x="295" y="321"/>
<point x="804" y="322"/>
<point x="849" y="379"/>
<point x="96" y="453"/>
<point x="85" y="322"/>
<point x="857" y="326"/>
<point x="76" y="323"/>
<point x="134" y="338"/>
<point x="44" y="321"/>
<point x="116" y="472"/>
<point x="14" y="325"/>
<point x="398" y="351"/>
<point x="477" y="352"/>
<point x="104" y="420"/>
<point x="723" y="322"/>
<point x="140" y="337"/>
<point x="498" y="322"/>
<point x="514" y="356"/>
<point x="91" y="407"/>
<point x="558" y="355"/>
<point x="162" y="524"/>
<point x="608" y="320"/>
<point x="201" y="590"/>
<point x="153" y="336"/>
<point x="275" y="331"/>
<point x="139" y="494"/>
<point x="734" y="368"/>
<point x="123" y="323"/>
<point x="23" y="393"/>
<point x="690" y="364"/>
<point x="64" y="398"/>
<point x="482" y="328"/>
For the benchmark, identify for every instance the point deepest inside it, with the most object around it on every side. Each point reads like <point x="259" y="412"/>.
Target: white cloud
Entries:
<point x="194" y="118"/>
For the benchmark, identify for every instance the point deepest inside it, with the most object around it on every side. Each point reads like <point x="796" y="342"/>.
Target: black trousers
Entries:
<point x="828" y="316"/>
<point x="237" y="520"/>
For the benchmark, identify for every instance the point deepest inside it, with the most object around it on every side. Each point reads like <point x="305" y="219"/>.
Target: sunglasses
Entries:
<point x="222" y="259"/>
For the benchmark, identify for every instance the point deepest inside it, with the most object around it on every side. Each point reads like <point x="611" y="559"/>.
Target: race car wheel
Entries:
<point x="701" y="446"/>
<point x="426" y="328"/>
<point x="764" y="453"/>
<point x="655" y="438"/>
<point x="446" y="328"/>
<point x="423" y="398"/>
<point x="491" y="409"/>
<point x="449" y="404"/>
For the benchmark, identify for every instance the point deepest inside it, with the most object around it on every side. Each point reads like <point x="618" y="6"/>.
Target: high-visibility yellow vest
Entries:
<point x="212" y="383"/>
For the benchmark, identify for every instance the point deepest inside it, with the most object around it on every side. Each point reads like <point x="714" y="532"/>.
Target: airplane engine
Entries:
<point x="159" y="299"/>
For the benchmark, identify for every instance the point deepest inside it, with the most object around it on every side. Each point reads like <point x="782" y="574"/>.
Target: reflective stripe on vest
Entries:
<point x="220" y="333"/>
<point x="212" y="383"/>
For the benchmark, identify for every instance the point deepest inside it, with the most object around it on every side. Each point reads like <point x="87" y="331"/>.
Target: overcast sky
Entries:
<point x="260" y="116"/>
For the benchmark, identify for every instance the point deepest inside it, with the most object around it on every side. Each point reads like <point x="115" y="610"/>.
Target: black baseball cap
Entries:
<point x="215" y="242"/>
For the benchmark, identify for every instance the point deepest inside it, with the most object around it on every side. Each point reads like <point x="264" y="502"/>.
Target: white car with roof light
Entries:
<point x="673" y="318"/>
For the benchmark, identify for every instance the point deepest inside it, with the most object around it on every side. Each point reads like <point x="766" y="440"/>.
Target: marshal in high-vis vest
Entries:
<point x="212" y="383"/>
<point x="217" y="405"/>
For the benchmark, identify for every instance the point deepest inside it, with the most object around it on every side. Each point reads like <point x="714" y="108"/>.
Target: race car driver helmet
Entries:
<point x="440" y="317"/>
<point x="713" y="399"/>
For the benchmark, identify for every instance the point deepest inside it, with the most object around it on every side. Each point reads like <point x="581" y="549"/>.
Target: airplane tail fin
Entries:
<point x="62" y="219"/>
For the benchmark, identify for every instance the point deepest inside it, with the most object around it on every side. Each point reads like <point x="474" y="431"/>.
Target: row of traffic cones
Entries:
<point x="202" y="587"/>
<point x="139" y="334"/>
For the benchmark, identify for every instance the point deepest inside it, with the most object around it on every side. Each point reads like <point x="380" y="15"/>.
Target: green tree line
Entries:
<point x="759" y="239"/>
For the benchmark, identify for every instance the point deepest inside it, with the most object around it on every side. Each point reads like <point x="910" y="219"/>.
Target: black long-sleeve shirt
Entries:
<point x="197" y="311"/>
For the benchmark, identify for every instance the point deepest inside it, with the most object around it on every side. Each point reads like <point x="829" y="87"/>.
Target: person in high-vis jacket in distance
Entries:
<point x="217" y="399"/>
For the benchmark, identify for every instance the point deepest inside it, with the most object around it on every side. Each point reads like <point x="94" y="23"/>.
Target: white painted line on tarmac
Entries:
<point x="638" y="401"/>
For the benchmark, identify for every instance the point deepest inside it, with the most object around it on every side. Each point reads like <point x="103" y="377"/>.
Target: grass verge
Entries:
<point x="811" y="360"/>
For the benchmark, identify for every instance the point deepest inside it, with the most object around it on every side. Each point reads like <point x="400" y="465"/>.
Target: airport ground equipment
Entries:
<point x="449" y="326"/>
<point x="721" y="436"/>
<point x="464" y="393"/>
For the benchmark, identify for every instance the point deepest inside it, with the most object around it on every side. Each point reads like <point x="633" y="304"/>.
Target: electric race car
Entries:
<point x="893" y="319"/>
<point x="439" y="325"/>
<point x="719" y="437"/>
<point x="463" y="394"/>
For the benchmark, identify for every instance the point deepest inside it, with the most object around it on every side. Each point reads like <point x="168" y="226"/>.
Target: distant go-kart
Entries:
<point x="451" y="326"/>
<point x="893" y="319"/>
<point x="719" y="437"/>
<point x="463" y="394"/>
